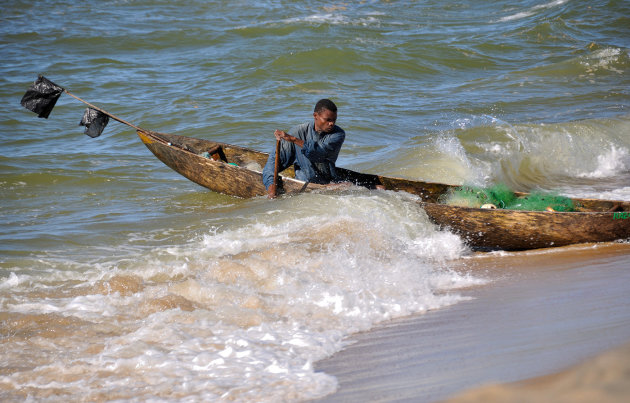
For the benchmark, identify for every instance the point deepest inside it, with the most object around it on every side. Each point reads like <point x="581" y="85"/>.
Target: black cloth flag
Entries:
<point x="41" y="96"/>
<point x="94" y="122"/>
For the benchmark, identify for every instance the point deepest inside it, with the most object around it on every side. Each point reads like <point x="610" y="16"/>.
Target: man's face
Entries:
<point x="325" y="120"/>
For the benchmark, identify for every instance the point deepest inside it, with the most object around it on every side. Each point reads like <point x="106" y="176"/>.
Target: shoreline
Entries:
<point x="544" y="311"/>
<point x="603" y="378"/>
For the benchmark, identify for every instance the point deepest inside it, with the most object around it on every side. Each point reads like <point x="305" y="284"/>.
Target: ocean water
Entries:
<point x="121" y="280"/>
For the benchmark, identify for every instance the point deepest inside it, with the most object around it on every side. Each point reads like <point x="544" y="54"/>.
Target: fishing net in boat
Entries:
<point x="472" y="196"/>
<point x="540" y="201"/>
<point x="500" y="196"/>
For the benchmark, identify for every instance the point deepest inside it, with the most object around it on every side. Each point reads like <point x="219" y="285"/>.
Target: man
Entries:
<point x="311" y="147"/>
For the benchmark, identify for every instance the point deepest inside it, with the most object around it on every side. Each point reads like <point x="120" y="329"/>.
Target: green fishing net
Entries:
<point x="471" y="196"/>
<point x="500" y="196"/>
<point x="540" y="201"/>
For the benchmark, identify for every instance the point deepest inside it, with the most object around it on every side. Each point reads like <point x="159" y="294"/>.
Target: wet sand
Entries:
<point x="605" y="378"/>
<point x="545" y="312"/>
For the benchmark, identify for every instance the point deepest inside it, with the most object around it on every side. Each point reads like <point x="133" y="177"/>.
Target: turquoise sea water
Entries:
<point x="112" y="265"/>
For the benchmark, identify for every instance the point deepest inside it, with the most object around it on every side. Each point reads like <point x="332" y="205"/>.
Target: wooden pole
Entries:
<point x="276" y="170"/>
<point x="104" y="111"/>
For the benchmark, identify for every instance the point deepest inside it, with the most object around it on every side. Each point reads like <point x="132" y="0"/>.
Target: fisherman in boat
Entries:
<point x="312" y="148"/>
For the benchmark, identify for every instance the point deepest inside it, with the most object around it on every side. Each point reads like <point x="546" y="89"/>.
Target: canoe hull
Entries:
<point x="183" y="155"/>
<point x="521" y="230"/>
<point x="480" y="228"/>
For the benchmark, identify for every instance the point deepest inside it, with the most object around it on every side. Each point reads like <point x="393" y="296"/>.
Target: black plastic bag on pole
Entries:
<point x="41" y="97"/>
<point x="94" y="122"/>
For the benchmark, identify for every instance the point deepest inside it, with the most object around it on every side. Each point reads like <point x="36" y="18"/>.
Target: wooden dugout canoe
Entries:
<point x="237" y="171"/>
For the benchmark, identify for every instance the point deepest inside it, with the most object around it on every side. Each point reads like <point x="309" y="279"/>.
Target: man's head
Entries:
<point x="325" y="115"/>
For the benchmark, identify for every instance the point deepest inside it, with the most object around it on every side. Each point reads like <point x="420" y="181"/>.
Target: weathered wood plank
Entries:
<point x="519" y="230"/>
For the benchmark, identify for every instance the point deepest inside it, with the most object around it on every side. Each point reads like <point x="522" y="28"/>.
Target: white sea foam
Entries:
<point x="603" y="59"/>
<point x="615" y="194"/>
<point x="622" y="193"/>
<point x="540" y="155"/>
<point x="609" y="163"/>
<point x="527" y="13"/>
<point x="10" y="282"/>
<point x="334" y="19"/>
<point x="250" y="308"/>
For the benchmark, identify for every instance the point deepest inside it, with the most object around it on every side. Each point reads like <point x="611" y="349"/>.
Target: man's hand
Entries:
<point x="271" y="191"/>
<point x="282" y="135"/>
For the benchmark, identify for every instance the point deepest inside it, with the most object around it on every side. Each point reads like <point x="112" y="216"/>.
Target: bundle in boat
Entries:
<point x="500" y="196"/>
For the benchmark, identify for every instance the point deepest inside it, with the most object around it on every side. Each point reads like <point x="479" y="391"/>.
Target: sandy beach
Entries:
<point x="605" y="378"/>
<point x="548" y="321"/>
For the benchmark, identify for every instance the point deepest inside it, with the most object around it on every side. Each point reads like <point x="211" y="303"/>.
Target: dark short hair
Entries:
<point x="325" y="104"/>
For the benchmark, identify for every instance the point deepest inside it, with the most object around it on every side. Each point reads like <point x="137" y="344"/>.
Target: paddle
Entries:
<point x="276" y="172"/>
